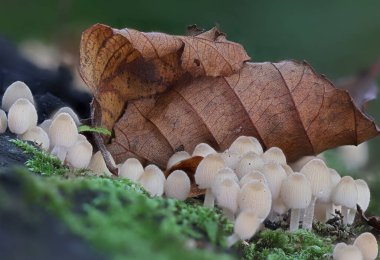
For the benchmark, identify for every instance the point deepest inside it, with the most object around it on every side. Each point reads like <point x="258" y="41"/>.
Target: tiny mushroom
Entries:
<point x="275" y="155"/>
<point x="231" y="158"/>
<point x="246" y="225"/>
<point x="226" y="194"/>
<point x="296" y="194"/>
<point x="346" y="195"/>
<point x="205" y="175"/>
<point x="37" y="135"/>
<point x="319" y="176"/>
<point x="253" y="175"/>
<point x="177" y="185"/>
<point x="79" y="155"/>
<point x="221" y="175"/>
<point x="176" y="158"/>
<point x="153" y="180"/>
<point x="131" y="169"/>
<point x="245" y="144"/>
<point x="45" y="125"/>
<point x="274" y="175"/>
<point x="63" y="134"/>
<point x="248" y="163"/>
<point x="98" y="165"/>
<point x="69" y="111"/>
<point x="364" y="197"/>
<point x="367" y="244"/>
<point x="22" y="116"/>
<point x="203" y="150"/>
<point x="347" y="252"/>
<point x="15" y="91"/>
<point x="3" y="122"/>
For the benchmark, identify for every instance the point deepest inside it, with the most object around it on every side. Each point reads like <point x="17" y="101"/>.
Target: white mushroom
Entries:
<point x="176" y="158"/>
<point x="274" y="155"/>
<point x="98" y="165"/>
<point x="354" y="157"/>
<point x="254" y="175"/>
<point x="246" y="225"/>
<point x="69" y="111"/>
<point x="319" y="176"/>
<point x="205" y="175"/>
<point x="226" y="194"/>
<point x="231" y="158"/>
<point x="177" y="185"/>
<point x="296" y="194"/>
<point x="348" y="252"/>
<point x="3" y="122"/>
<point x="15" y="91"/>
<point x="131" y="169"/>
<point x="367" y="244"/>
<point x="37" y="135"/>
<point x="203" y="150"/>
<point x="245" y="144"/>
<point x="79" y="155"/>
<point x="364" y="197"/>
<point x="22" y="116"/>
<point x="338" y="249"/>
<point x="248" y="163"/>
<point x="346" y="195"/>
<point x="274" y="175"/>
<point x="255" y="196"/>
<point x="63" y="134"/>
<point x="45" y="125"/>
<point x="153" y="180"/>
<point x="221" y="175"/>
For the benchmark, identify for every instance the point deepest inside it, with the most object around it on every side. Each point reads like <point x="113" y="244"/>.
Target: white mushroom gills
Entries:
<point x="246" y="225"/>
<point x="3" y="122"/>
<point x="319" y="176"/>
<point x="367" y="244"/>
<point x="205" y="174"/>
<point x="176" y="158"/>
<point x="153" y="180"/>
<point x="131" y="169"/>
<point x="79" y="155"/>
<point x="177" y="185"/>
<point x="248" y="163"/>
<point x="22" y="116"/>
<point x="346" y="195"/>
<point x="255" y="196"/>
<point x="38" y="136"/>
<point x="245" y="144"/>
<point x="15" y="91"/>
<point x="296" y="194"/>
<point x="203" y="150"/>
<point x="63" y="134"/>
<point x="69" y="111"/>
<point x="274" y="155"/>
<point x="226" y="195"/>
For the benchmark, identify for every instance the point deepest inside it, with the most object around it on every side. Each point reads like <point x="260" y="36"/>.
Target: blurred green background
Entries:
<point x="338" y="38"/>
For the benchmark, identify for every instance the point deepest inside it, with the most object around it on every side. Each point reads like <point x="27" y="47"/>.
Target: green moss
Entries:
<point x="279" y="244"/>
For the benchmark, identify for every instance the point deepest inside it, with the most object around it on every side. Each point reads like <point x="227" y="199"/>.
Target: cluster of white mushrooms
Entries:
<point x="248" y="184"/>
<point x="364" y="248"/>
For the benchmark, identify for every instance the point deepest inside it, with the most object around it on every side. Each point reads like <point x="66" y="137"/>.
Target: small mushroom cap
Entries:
<point x="248" y="163"/>
<point x="3" y="121"/>
<point x="338" y="250"/>
<point x="367" y="244"/>
<point x="354" y="157"/>
<point x="287" y="169"/>
<point x="37" y="135"/>
<point x="231" y="158"/>
<point x="177" y="185"/>
<point x="203" y="150"/>
<point x="79" y="155"/>
<point x="207" y="170"/>
<point x="63" y="131"/>
<point x="45" y="125"/>
<point x="153" y="180"/>
<point x="98" y="165"/>
<point x="245" y="144"/>
<point x="176" y="158"/>
<point x="226" y="194"/>
<point x="348" y="252"/>
<point x="364" y="194"/>
<point x="255" y="196"/>
<point x="254" y="175"/>
<point x="15" y="91"/>
<point x="131" y="169"/>
<point x="223" y="174"/>
<point x="69" y="111"/>
<point x="246" y="225"/>
<point x="319" y="176"/>
<point x="22" y="116"/>
<point x="275" y="155"/>
<point x="274" y="174"/>
<point x="297" y="165"/>
<point x="296" y="191"/>
<point x="346" y="193"/>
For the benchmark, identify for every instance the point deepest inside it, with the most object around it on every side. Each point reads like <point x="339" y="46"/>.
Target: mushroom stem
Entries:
<point x="351" y="216"/>
<point x="307" y="222"/>
<point x="294" y="219"/>
<point x="229" y="214"/>
<point x="329" y="210"/>
<point x="345" y="215"/>
<point x="231" y="240"/>
<point x="209" y="199"/>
